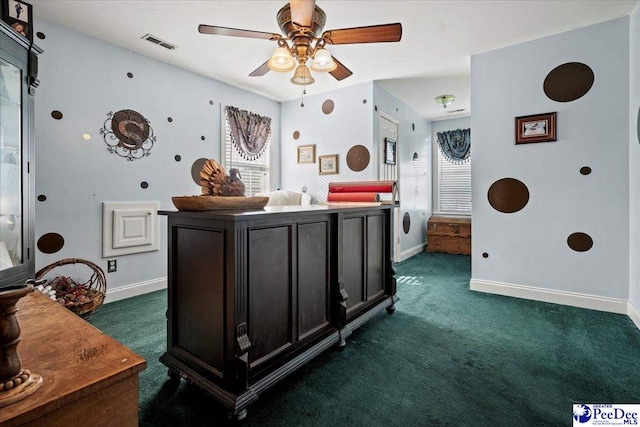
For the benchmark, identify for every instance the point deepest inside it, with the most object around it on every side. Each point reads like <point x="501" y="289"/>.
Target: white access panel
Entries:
<point x="129" y="228"/>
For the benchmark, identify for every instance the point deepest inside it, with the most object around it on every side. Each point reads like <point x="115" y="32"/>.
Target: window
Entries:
<point x="255" y="174"/>
<point x="452" y="185"/>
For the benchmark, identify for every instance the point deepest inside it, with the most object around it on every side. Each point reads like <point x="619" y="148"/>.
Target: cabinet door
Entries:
<point x="16" y="140"/>
<point x="12" y="212"/>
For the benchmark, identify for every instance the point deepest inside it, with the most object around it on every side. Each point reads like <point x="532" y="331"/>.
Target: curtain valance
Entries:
<point x="250" y="132"/>
<point x="455" y="144"/>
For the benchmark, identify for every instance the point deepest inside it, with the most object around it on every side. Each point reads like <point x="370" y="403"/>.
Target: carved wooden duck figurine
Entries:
<point x="215" y="181"/>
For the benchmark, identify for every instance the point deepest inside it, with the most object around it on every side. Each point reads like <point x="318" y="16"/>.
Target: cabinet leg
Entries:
<point x="238" y="416"/>
<point x="391" y="309"/>
<point x="173" y="375"/>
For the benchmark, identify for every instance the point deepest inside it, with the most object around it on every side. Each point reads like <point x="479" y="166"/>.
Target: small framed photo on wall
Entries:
<point x="307" y="153"/>
<point x="389" y="151"/>
<point x="328" y="165"/>
<point x="536" y="128"/>
<point x="19" y="15"/>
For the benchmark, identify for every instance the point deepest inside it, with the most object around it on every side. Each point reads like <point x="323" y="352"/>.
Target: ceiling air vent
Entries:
<point x="455" y="111"/>
<point x="155" y="40"/>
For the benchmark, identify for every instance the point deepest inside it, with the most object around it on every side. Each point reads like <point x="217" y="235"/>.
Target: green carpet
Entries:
<point x="448" y="356"/>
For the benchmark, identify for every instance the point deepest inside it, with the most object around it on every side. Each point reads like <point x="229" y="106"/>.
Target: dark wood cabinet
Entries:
<point x="18" y="80"/>
<point x="255" y="295"/>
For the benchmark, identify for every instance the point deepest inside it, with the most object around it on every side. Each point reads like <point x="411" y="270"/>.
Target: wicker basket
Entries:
<point x="96" y="286"/>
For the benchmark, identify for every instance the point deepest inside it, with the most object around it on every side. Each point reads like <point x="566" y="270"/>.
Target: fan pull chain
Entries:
<point x="304" y="92"/>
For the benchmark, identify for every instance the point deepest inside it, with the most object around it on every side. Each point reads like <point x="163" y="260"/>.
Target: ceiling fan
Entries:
<point x="301" y="22"/>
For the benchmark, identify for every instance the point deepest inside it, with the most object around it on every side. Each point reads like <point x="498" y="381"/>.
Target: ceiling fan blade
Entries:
<point x="261" y="70"/>
<point x="372" y="34"/>
<point x="236" y="32"/>
<point x="341" y="72"/>
<point x="302" y="12"/>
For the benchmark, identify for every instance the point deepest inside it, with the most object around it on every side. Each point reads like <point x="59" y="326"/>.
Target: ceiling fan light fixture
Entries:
<point x="281" y="60"/>
<point x="323" y="61"/>
<point x="302" y="76"/>
<point x="444" y="100"/>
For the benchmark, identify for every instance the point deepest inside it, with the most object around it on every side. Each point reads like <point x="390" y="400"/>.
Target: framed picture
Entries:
<point x="19" y="15"/>
<point x="536" y="128"/>
<point x="307" y="153"/>
<point x="328" y="165"/>
<point x="390" y="151"/>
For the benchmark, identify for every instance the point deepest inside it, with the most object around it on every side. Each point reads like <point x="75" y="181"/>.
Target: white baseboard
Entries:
<point x="135" y="289"/>
<point x="634" y="314"/>
<point x="411" y="252"/>
<point x="593" y="302"/>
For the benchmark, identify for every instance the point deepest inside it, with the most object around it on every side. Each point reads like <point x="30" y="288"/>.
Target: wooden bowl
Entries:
<point x="215" y="203"/>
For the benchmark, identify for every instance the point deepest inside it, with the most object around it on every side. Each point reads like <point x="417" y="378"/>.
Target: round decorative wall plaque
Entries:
<point x="508" y="195"/>
<point x="358" y="158"/>
<point x="568" y="82"/>
<point x="128" y="134"/>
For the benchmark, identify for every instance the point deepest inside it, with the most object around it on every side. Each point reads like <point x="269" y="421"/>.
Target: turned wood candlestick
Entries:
<point x="15" y="383"/>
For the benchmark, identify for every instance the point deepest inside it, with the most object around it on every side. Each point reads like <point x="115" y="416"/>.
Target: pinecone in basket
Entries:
<point x="215" y="181"/>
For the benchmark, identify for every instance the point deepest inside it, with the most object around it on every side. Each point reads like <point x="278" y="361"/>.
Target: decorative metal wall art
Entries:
<point x="128" y="134"/>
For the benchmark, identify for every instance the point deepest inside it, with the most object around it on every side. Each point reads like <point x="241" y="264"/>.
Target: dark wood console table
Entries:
<point x="255" y="295"/>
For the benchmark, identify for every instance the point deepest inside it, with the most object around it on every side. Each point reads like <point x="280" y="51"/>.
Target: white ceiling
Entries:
<point x="433" y="57"/>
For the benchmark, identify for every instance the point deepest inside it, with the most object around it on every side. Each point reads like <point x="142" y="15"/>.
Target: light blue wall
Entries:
<point x="354" y="121"/>
<point x="452" y="124"/>
<point x="347" y="125"/>
<point x="86" y="78"/>
<point x="414" y="137"/>
<point x="529" y="247"/>
<point x="634" y="161"/>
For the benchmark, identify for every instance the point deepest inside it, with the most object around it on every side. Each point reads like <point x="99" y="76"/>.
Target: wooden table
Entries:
<point x="90" y="379"/>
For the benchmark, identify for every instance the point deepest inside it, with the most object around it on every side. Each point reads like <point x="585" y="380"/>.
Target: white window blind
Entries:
<point x="454" y="186"/>
<point x="255" y="174"/>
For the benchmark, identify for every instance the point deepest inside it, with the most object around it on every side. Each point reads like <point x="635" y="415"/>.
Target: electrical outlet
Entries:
<point x="112" y="266"/>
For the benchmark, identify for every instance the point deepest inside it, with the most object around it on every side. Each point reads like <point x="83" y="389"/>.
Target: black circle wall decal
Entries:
<point x="485" y="255"/>
<point x="358" y="158"/>
<point x="364" y="101"/>
<point x="406" y="222"/>
<point x="144" y="185"/>
<point x="580" y="242"/>
<point x="177" y="157"/>
<point x="328" y="106"/>
<point x="169" y="119"/>
<point x="41" y="35"/>
<point x="296" y="135"/>
<point x="57" y="114"/>
<point x="413" y="126"/>
<point x="202" y="137"/>
<point x="568" y="82"/>
<point x="585" y="170"/>
<point x="42" y="198"/>
<point x="210" y="102"/>
<point x="130" y="75"/>
<point x="508" y="195"/>
<point x="196" y="168"/>
<point x="50" y="243"/>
